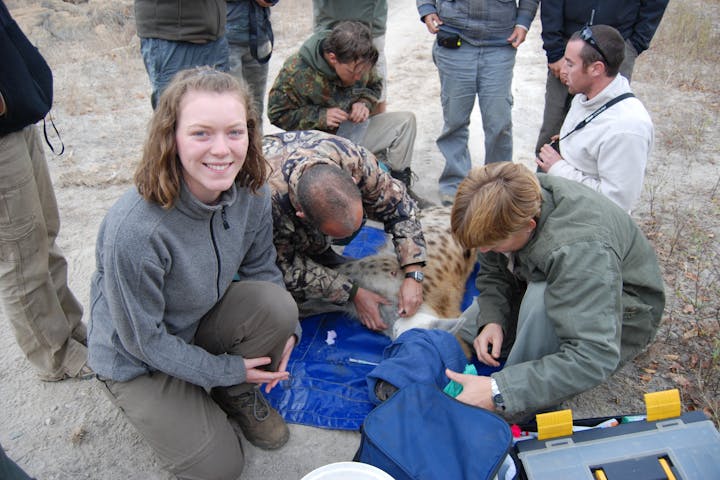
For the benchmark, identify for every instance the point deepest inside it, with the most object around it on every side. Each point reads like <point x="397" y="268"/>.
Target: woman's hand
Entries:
<point x="282" y="367"/>
<point x="258" y="375"/>
<point x="477" y="390"/>
<point x="490" y="335"/>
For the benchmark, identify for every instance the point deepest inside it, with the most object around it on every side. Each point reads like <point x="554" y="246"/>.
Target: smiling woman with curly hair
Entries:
<point x="170" y="321"/>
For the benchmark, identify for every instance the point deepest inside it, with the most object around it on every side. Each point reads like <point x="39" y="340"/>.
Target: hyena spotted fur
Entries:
<point x="447" y="269"/>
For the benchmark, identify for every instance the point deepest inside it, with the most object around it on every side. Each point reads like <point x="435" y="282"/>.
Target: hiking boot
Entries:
<point x="85" y="373"/>
<point x="261" y="424"/>
<point x="384" y="390"/>
<point x="406" y="176"/>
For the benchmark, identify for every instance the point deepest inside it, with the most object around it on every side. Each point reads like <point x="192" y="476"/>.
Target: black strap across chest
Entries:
<point x="597" y="112"/>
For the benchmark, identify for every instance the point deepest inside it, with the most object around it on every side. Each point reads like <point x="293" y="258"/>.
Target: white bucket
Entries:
<point x="347" y="471"/>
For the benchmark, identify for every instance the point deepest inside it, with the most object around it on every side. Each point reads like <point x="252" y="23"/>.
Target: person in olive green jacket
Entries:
<point x="331" y="85"/>
<point x="570" y="288"/>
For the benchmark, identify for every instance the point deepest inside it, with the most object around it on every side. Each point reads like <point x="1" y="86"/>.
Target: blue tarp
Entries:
<point x="327" y="386"/>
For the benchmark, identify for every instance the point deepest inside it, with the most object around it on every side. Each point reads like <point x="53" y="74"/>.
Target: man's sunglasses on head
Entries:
<point x="587" y="36"/>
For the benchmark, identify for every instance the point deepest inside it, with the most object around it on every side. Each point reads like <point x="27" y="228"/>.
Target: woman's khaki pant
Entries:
<point x="185" y="427"/>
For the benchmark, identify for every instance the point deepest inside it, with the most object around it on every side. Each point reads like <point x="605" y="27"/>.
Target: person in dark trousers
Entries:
<point x="636" y="20"/>
<point x="610" y="152"/>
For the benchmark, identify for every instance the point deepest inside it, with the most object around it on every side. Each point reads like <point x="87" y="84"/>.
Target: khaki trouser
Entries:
<point x="391" y="136"/>
<point x="180" y="421"/>
<point x="45" y="315"/>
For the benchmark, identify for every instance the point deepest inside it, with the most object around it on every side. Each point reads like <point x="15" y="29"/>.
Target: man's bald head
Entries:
<point x="328" y="195"/>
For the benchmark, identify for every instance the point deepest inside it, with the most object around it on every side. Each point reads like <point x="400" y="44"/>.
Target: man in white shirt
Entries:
<point x="603" y="145"/>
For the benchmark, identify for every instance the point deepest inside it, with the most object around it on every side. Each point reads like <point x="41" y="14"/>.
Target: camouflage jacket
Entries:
<point x="384" y="199"/>
<point x="307" y="86"/>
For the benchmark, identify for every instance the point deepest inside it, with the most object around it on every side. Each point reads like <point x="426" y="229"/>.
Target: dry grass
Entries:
<point x="678" y="83"/>
<point x="684" y="51"/>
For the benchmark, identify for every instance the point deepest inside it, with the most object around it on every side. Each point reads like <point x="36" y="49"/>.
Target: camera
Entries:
<point x="556" y="145"/>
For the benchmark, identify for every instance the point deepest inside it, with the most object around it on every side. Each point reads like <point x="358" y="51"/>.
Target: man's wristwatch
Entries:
<point x="497" y="397"/>
<point x="417" y="275"/>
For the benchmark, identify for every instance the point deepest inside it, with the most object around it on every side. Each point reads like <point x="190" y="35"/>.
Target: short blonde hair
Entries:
<point x="159" y="174"/>
<point x="493" y="202"/>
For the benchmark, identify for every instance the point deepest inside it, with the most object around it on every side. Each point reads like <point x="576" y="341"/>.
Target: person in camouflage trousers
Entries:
<point x="331" y="85"/>
<point x="322" y="188"/>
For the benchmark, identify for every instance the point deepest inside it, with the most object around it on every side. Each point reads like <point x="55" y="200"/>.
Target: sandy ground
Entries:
<point x="70" y="430"/>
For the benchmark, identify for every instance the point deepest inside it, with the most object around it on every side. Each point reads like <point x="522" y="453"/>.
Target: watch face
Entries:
<point x="417" y="276"/>
<point x="499" y="401"/>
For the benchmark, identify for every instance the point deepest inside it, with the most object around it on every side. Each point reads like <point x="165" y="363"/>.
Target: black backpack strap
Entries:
<point x="57" y="134"/>
<point x="597" y="112"/>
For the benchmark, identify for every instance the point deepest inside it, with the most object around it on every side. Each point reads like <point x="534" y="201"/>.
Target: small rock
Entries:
<point x="78" y="435"/>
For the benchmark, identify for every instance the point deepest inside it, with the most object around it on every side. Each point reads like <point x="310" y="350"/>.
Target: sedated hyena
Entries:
<point x="447" y="269"/>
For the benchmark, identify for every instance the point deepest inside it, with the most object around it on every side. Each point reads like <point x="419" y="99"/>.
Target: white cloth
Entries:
<point x="610" y="154"/>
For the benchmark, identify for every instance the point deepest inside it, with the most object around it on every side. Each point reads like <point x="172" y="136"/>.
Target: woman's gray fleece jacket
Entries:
<point x="159" y="271"/>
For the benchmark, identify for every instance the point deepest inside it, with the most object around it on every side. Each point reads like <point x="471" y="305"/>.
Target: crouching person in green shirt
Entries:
<point x="570" y="288"/>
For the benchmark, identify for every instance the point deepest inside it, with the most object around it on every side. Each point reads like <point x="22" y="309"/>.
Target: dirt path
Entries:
<point x="70" y="430"/>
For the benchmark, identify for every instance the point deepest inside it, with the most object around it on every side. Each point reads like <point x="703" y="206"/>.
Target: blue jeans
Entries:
<point x="464" y="73"/>
<point x="164" y="58"/>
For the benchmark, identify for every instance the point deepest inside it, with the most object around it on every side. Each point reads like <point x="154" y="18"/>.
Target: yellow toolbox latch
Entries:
<point x="662" y="405"/>
<point x="554" y="424"/>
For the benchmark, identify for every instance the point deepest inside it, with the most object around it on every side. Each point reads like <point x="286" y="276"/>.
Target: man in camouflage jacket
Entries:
<point x="331" y="84"/>
<point x="302" y="245"/>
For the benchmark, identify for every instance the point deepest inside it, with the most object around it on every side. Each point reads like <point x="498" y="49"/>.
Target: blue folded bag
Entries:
<point x="420" y="433"/>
